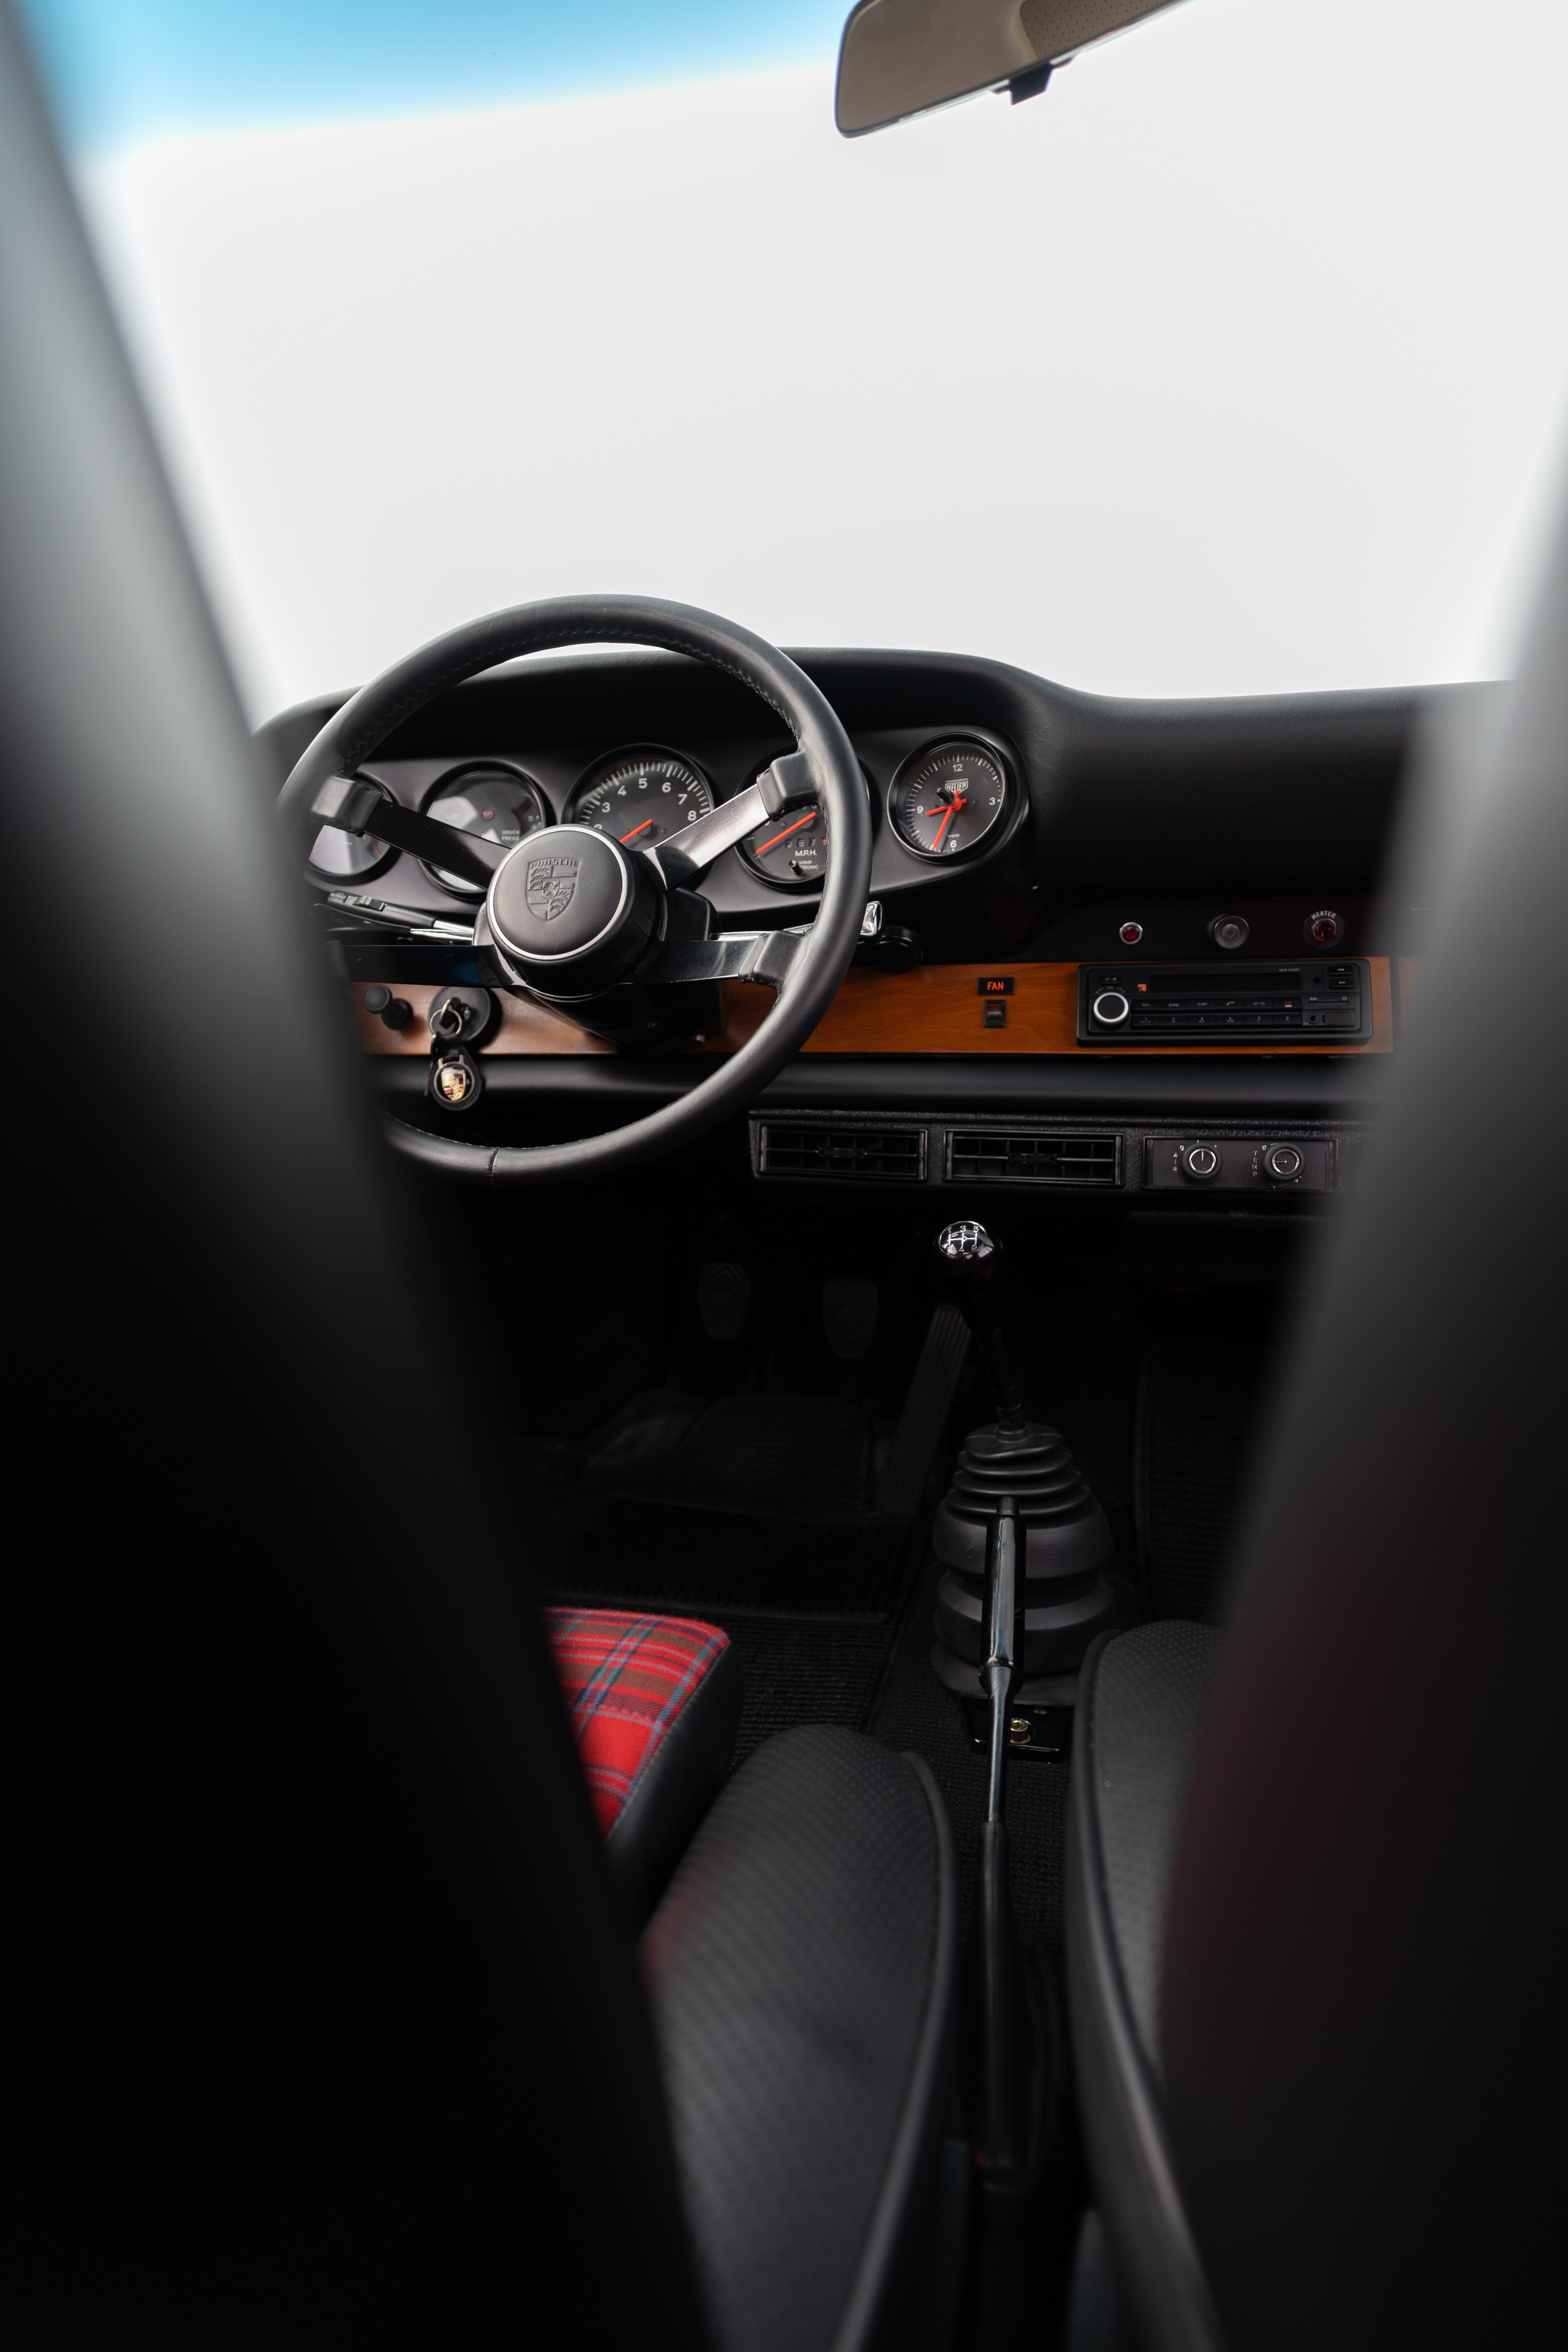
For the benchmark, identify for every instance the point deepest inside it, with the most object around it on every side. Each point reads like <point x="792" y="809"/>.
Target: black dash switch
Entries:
<point x="1000" y="986"/>
<point x="995" y="1017"/>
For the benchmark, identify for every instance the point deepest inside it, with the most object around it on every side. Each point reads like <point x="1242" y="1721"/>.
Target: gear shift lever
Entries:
<point x="970" y="1265"/>
<point x="1062" y="1540"/>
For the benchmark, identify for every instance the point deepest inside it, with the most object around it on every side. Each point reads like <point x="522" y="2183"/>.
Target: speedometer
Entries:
<point x="642" y="797"/>
<point x="792" y="850"/>
<point x="947" y="797"/>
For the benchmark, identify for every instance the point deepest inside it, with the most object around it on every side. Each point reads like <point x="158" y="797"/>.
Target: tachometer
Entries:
<point x="497" y="804"/>
<point x="642" y="797"/>
<point x="946" y="798"/>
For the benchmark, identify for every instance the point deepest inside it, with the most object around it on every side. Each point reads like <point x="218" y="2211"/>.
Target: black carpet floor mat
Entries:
<point x="761" y="1506"/>
<point x="669" y="1555"/>
<point x="804" y="1670"/>
<point x="1199" y="1409"/>
<point x="780" y="1457"/>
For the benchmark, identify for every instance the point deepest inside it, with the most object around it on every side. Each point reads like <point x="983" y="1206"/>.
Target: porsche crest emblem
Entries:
<point x="549" y="885"/>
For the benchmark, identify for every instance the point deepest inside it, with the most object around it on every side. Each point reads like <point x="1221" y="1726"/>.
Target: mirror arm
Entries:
<point x="1031" y="84"/>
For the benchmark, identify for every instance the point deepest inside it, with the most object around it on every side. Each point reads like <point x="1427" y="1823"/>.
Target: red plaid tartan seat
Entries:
<point x="655" y="1705"/>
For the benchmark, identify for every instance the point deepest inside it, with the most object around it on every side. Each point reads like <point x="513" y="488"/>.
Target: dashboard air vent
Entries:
<point x="895" y="1153"/>
<point x="984" y="1155"/>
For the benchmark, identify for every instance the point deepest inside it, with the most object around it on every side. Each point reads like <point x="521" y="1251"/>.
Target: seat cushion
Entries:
<point x="1142" y="1700"/>
<point x="802" y="1971"/>
<point x="655" y="1706"/>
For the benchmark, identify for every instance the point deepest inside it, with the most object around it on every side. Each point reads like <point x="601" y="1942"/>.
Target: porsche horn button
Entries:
<point x="573" y="911"/>
<point x="550" y="886"/>
<point x="559" y="892"/>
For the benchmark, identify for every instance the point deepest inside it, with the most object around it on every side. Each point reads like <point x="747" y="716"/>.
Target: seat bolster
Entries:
<point x="803" y="1973"/>
<point x="676" y="1787"/>
<point x="1141" y="1703"/>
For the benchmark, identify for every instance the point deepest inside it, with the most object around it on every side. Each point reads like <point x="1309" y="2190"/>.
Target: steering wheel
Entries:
<point x="577" y="920"/>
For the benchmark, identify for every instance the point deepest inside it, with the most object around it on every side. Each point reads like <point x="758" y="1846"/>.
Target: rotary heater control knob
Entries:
<point x="1283" y="1163"/>
<point x="396" y="1011"/>
<point x="1200" y="1161"/>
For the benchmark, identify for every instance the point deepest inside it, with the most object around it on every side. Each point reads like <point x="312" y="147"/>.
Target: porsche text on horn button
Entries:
<point x="551" y="886"/>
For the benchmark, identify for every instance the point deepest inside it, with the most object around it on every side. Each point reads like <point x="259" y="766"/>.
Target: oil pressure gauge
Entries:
<point x="948" y="798"/>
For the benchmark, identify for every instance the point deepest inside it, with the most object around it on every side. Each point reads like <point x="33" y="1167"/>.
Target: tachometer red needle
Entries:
<point x="953" y="808"/>
<point x="764" y="846"/>
<point x="636" y="829"/>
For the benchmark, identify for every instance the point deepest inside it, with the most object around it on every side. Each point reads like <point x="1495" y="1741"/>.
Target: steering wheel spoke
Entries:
<point x="354" y="804"/>
<point x="788" y="783"/>
<point x="768" y="958"/>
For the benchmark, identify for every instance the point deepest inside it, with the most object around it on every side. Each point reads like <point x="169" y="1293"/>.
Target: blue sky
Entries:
<point x="123" y="71"/>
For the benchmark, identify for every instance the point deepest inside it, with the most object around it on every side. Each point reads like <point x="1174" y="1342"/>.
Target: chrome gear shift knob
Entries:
<point x="965" y="1242"/>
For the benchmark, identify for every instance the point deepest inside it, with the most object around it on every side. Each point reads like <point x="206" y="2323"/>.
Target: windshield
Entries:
<point x="1230" y="364"/>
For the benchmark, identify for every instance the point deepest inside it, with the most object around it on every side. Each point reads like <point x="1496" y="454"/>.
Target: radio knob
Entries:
<point x="1110" y="1007"/>
<point x="1202" y="1160"/>
<point x="1283" y="1163"/>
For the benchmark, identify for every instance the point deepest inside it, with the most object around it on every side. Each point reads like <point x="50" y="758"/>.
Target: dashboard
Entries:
<point x="1160" y="923"/>
<point x="938" y="801"/>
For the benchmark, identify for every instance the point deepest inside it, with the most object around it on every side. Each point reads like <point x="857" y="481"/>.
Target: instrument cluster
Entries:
<point x="937" y="801"/>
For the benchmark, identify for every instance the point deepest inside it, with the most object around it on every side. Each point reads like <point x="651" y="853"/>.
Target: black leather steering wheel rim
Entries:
<point x="355" y="732"/>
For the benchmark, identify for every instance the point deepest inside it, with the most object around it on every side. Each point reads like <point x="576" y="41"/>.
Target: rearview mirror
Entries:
<point x="900" y="56"/>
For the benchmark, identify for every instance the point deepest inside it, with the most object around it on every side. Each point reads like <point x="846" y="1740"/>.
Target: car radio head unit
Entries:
<point x="1306" y="1003"/>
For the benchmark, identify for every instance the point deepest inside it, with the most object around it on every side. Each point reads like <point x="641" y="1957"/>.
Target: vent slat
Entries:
<point x="984" y="1155"/>
<point x="896" y="1154"/>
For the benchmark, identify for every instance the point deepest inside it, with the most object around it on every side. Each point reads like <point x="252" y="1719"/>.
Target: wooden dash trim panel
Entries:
<point x="524" y="1028"/>
<point x="935" y="1009"/>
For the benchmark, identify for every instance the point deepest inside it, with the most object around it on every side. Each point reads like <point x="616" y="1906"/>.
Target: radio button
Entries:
<point x="1111" y="1008"/>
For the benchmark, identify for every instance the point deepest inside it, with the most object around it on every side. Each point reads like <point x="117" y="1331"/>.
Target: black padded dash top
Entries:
<point x="807" y="1951"/>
